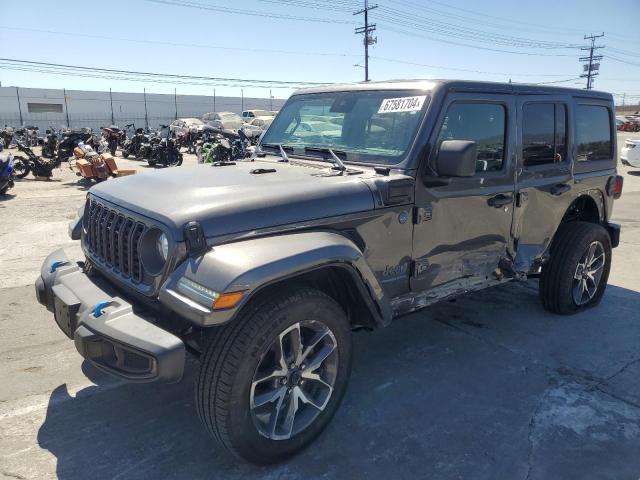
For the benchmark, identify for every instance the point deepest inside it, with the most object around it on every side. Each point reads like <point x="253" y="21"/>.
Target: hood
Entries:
<point x="231" y="199"/>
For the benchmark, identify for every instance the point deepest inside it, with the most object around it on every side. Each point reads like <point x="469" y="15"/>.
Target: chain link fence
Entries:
<point x="57" y="109"/>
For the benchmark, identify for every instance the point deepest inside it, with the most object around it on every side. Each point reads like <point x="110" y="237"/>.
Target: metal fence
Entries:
<point x="79" y="108"/>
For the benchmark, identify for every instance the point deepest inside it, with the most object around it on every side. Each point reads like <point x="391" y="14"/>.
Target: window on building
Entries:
<point x="544" y="133"/>
<point x="593" y="133"/>
<point x="483" y="123"/>
<point x="44" y="107"/>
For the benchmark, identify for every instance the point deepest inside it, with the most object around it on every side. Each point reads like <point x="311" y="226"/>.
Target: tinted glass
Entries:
<point x="561" y="132"/>
<point x="593" y="133"/>
<point x="544" y="133"/>
<point x="538" y="137"/>
<point x="366" y="126"/>
<point x="483" y="123"/>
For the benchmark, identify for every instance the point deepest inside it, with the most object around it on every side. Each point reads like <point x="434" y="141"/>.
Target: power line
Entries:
<point x="478" y="47"/>
<point x="593" y="66"/>
<point x="406" y="62"/>
<point x="254" y="13"/>
<point x="366" y="32"/>
<point x="174" y="44"/>
<point x="46" y="67"/>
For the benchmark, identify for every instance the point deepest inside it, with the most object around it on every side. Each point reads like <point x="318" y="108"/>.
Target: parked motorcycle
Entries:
<point x="131" y="146"/>
<point x="70" y="140"/>
<point x="50" y="145"/>
<point x="28" y="135"/>
<point x="91" y="165"/>
<point x="112" y="136"/>
<point x="6" y="173"/>
<point x="40" y="167"/>
<point x="6" y="136"/>
<point x="165" y="151"/>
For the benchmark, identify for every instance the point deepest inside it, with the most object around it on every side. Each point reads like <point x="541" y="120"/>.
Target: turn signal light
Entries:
<point x="227" y="300"/>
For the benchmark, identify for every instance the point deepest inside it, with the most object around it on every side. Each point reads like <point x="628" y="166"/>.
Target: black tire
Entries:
<point x="20" y="167"/>
<point x="230" y="362"/>
<point x="558" y="274"/>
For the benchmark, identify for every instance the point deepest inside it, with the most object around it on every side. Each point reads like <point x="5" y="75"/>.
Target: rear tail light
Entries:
<point x="614" y="186"/>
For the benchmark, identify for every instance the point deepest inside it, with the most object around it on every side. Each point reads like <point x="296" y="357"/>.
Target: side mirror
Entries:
<point x="457" y="158"/>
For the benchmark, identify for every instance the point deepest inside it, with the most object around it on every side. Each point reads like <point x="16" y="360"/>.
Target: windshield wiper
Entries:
<point x="339" y="165"/>
<point x="283" y="154"/>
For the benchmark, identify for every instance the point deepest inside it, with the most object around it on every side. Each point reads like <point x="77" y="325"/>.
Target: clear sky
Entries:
<point x="251" y="40"/>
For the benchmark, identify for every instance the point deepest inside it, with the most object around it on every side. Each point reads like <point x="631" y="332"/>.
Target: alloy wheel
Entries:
<point x="588" y="273"/>
<point x="294" y="380"/>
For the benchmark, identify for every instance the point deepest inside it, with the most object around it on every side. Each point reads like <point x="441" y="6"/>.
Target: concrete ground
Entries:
<point x="489" y="386"/>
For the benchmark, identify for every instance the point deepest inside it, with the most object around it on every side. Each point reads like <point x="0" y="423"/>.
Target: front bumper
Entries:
<point x="104" y="327"/>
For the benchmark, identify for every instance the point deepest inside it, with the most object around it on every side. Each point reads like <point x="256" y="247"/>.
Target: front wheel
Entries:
<point x="576" y="276"/>
<point x="20" y="167"/>
<point x="271" y="381"/>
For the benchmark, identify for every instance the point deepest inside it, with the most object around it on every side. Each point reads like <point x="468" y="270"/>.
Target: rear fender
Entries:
<point x="251" y="265"/>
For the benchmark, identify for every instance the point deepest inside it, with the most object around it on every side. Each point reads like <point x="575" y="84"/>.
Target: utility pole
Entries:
<point x="591" y="68"/>
<point x="366" y="31"/>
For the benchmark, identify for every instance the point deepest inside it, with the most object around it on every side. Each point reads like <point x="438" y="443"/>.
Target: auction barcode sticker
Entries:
<point x="402" y="104"/>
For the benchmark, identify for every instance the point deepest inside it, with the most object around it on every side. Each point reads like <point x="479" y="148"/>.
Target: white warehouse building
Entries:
<point x="47" y="108"/>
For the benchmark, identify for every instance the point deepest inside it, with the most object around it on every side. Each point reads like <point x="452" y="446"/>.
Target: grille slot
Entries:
<point x="114" y="240"/>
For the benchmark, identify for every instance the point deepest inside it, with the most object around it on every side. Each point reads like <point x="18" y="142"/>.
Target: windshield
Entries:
<point x="367" y="126"/>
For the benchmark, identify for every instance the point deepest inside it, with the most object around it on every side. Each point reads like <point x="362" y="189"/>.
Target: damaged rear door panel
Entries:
<point x="545" y="187"/>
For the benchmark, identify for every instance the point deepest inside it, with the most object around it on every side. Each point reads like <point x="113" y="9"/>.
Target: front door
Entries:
<point x="463" y="229"/>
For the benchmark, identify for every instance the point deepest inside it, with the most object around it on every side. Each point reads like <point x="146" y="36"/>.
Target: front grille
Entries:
<point x="113" y="238"/>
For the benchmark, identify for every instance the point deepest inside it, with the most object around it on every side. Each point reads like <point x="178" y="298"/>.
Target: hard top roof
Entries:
<point x="458" y="85"/>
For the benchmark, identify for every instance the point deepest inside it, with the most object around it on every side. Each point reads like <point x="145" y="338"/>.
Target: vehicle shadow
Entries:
<point x="7" y="196"/>
<point x="635" y="173"/>
<point x="455" y="391"/>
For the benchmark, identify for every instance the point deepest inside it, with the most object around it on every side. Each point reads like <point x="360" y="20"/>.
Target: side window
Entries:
<point x="593" y="133"/>
<point x="544" y="133"/>
<point x="483" y="123"/>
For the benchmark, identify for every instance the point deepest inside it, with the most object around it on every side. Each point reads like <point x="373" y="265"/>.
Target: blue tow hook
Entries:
<point x="56" y="264"/>
<point x="97" y="310"/>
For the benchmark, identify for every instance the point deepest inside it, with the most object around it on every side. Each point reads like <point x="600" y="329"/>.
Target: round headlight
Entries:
<point x="163" y="246"/>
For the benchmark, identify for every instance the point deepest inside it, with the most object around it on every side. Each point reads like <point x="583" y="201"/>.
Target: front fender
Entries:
<point x="253" y="264"/>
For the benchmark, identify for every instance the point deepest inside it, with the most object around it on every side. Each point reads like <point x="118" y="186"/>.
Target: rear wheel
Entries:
<point x="271" y="381"/>
<point x="576" y="276"/>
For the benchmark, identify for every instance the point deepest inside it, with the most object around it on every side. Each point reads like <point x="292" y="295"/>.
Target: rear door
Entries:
<point x="463" y="228"/>
<point x="544" y="173"/>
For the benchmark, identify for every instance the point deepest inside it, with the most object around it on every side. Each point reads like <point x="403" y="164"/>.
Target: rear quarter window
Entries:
<point x="593" y="133"/>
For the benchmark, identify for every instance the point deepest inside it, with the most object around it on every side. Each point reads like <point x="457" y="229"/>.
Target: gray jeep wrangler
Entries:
<point x="363" y="203"/>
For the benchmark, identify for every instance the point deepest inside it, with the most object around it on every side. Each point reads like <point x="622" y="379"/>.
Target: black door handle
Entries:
<point x="500" y="201"/>
<point x="560" y="188"/>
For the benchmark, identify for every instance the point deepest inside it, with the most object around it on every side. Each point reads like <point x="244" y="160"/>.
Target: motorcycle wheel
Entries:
<point x="125" y="154"/>
<point x="20" y="168"/>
